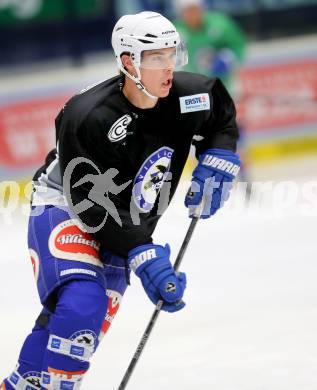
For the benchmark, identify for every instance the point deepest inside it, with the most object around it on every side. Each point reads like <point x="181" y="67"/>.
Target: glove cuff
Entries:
<point x="223" y="161"/>
<point x="144" y="253"/>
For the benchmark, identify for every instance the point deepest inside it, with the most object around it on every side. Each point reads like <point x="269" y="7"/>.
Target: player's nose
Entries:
<point x="169" y="70"/>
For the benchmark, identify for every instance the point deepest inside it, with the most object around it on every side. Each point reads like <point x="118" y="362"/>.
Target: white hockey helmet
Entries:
<point x="146" y="30"/>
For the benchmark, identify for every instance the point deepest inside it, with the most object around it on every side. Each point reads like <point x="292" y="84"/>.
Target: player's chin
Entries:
<point x="163" y="93"/>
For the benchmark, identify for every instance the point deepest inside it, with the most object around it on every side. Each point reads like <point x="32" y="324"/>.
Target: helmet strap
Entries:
<point x="137" y="81"/>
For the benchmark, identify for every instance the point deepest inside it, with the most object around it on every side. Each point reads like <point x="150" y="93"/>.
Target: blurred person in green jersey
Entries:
<point x="215" y="42"/>
<point x="217" y="47"/>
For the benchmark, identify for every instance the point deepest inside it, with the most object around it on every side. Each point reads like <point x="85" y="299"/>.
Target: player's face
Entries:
<point x="192" y="16"/>
<point x="157" y="69"/>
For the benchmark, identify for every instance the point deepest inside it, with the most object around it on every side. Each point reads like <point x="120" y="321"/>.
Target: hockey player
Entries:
<point x="120" y="145"/>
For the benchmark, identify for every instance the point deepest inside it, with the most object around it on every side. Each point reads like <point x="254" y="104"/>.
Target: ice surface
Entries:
<point x="251" y="317"/>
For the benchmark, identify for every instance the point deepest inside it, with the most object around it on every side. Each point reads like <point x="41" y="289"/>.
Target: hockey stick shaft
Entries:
<point x="157" y="310"/>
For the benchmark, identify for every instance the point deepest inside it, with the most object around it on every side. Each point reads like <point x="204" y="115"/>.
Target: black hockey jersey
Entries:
<point x="121" y="164"/>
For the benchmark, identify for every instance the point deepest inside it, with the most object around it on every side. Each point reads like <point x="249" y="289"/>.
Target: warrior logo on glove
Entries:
<point x="151" y="263"/>
<point x="170" y="287"/>
<point x="212" y="181"/>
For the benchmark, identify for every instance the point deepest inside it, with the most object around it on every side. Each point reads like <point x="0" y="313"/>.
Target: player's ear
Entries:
<point x="127" y="63"/>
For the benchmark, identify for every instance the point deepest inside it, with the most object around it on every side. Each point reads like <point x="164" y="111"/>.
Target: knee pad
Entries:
<point x="81" y="306"/>
<point x="74" y="328"/>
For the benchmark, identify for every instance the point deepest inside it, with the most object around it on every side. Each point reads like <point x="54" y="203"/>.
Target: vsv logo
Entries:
<point x="194" y="103"/>
<point x="118" y="130"/>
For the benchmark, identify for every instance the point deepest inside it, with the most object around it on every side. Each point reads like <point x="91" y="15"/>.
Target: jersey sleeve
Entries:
<point x="97" y="191"/>
<point x="219" y="129"/>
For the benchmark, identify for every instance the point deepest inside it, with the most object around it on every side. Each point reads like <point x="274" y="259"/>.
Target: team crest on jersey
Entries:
<point x="118" y="130"/>
<point x="151" y="177"/>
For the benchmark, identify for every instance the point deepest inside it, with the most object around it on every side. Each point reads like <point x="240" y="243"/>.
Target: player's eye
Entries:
<point x="158" y="59"/>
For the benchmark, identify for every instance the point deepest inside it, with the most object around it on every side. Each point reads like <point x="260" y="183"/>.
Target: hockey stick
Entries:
<point x="158" y="307"/>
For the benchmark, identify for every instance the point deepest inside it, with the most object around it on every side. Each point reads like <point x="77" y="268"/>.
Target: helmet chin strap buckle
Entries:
<point x="140" y="85"/>
<point x="144" y="90"/>
<point x="138" y="82"/>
